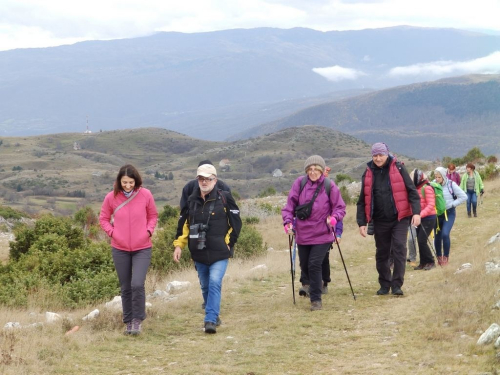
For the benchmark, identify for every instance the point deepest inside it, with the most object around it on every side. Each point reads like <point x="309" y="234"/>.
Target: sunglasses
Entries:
<point x="205" y="179"/>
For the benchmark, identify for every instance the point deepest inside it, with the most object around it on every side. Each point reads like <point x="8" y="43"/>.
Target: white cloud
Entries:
<point x="486" y="65"/>
<point x="337" y="73"/>
<point x="35" y="23"/>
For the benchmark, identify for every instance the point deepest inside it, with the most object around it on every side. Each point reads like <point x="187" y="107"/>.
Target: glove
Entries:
<point x="288" y="228"/>
<point x="482" y="192"/>
<point x="333" y="221"/>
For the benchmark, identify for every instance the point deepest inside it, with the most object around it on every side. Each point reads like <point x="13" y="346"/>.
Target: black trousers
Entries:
<point x="390" y="236"/>
<point x="311" y="257"/>
<point x="424" y="229"/>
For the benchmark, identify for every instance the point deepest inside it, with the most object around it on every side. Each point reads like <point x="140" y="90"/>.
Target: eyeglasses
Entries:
<point x="205" y="179"/>
<point x="314" y="168"/>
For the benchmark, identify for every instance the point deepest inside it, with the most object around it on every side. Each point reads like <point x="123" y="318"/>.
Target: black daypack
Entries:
<point x="303" y="211"/>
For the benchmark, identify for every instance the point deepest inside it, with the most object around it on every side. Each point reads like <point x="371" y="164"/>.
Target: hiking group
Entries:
<point x="398" y="208"/>
<point x="393" y="205"/>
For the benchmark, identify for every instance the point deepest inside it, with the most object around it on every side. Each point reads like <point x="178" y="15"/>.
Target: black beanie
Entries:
<point x="204" y="162"/>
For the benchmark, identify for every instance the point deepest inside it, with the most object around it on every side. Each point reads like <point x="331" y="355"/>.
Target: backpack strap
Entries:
<point x="222" y="197"/>
<point x="327" y="183"/>
<point x="328" y="186"/>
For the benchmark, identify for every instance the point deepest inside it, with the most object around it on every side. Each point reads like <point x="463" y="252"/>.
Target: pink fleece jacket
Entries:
<point x="134" y="223"/>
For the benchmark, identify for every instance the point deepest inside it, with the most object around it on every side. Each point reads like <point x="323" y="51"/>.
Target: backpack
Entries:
<point x="438" y="192"/>
<point x="327" y="182"/>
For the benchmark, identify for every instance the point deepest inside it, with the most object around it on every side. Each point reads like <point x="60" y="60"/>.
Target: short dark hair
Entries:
<point x="471" y="166"/>
<point x="205" y="162"/>
<point x="129" y="171"/>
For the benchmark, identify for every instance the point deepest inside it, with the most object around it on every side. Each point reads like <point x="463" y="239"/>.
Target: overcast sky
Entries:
<point x="43" y="23"/>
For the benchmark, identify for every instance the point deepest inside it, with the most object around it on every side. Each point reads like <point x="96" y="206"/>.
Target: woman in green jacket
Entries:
<point x="472" y="184"/>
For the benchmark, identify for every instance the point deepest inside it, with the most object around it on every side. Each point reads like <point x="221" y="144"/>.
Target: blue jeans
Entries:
<point x="211" y="284"/>
<point x="471" y="201"/>
<point x="442" y="237"/>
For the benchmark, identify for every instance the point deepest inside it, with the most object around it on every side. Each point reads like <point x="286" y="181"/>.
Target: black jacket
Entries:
<point x="224" y="225"/>
<point x="187" y="190"/>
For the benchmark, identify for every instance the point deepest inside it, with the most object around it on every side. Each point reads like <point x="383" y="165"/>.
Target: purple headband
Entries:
<point x="380" y="148"/>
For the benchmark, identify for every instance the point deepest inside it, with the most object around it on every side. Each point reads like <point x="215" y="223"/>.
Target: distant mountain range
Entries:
<point x="218" y="84"/>
<point x="426" y="120"/>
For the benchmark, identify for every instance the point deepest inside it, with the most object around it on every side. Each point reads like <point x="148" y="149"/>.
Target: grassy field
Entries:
<point x="433" y="329"/>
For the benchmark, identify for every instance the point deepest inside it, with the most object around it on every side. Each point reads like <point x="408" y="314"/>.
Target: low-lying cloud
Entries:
<point x="484" y="65"/>
<point x="337" y="73"/>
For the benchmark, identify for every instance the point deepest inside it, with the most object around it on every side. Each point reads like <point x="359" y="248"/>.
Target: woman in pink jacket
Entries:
<point x="128" y="216"/>
<point x="428" y="219"/>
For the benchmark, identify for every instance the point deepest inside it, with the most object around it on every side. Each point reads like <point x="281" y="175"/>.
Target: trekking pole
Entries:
<point x="292" y="268"/>
<point x="413" y="239"/>
<point x="345" y="268"/>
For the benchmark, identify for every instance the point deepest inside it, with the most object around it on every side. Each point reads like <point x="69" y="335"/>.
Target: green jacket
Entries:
<point x="478" y="182"/>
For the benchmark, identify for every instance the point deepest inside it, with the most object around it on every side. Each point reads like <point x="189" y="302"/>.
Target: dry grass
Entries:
<point x="432" y="329"/>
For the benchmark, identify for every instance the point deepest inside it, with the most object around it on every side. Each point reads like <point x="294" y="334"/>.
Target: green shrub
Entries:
<point x="250" y="220"/>
<point x="489" y="172"/>
<point x="46" y="224"/>
<point x="167" y="213"/>
<point x="86" y="217"/>
<point x="163" y="249"/>
<point x="249" y="243"/>
<point x="267" y="192"/>
<point x="10" y="213"/>
<point x="345" y="194"/>
<point x="342" y="177"/>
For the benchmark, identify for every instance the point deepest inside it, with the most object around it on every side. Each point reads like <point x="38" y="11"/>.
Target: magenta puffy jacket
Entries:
<point x="314" y="230"/>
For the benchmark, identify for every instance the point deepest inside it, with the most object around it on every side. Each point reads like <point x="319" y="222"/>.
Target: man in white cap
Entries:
<point x="211" y="230"/>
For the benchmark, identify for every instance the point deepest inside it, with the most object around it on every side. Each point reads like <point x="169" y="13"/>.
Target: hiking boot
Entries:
<point x="440" y="260"/>
<point x="203" y="306"/>
<point x="136" y="327"/>
<point x="383" y="291"/>
<point x="304" y="291"/>
<point x="324" y="289"/>
<point x="413" y="264"/>
<point x="218" y="322"/>
<point x="475" y="214"/>
<point x="396" y="291"/>
<point x="128" y="330"/>
<point x="469" y="215"/>
<point x="210" y="327"/>
<point x="429" y="266"/>
<point x="445" y="261"/>
<point x="316" y="305"/>
<point x="419" y="267"/>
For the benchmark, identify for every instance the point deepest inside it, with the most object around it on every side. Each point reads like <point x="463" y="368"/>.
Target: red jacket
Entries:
<point x="427" y="204"/>
<point x="399" y="192"/>
<point x="132" y="222"/>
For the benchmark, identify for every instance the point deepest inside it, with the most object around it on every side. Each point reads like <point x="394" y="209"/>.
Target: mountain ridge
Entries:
<point x="441" y="112"/>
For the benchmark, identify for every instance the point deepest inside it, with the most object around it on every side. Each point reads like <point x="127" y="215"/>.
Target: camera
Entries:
<point x="199" y="231"/>
<point x="369" y="229"/>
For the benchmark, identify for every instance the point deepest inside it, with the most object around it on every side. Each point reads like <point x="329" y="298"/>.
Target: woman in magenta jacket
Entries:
<point x="314" y="235"/>
<point x="129" y="216"/>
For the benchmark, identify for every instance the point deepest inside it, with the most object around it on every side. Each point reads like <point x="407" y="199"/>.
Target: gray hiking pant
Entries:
<point x="131" y="267"/>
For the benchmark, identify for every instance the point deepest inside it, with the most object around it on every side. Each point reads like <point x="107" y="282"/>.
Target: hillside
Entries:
<point x="46" y="173"/>
<point x="432" y="329"/>
<point x="427" y="120"/>
<point x="187" y="82"/>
